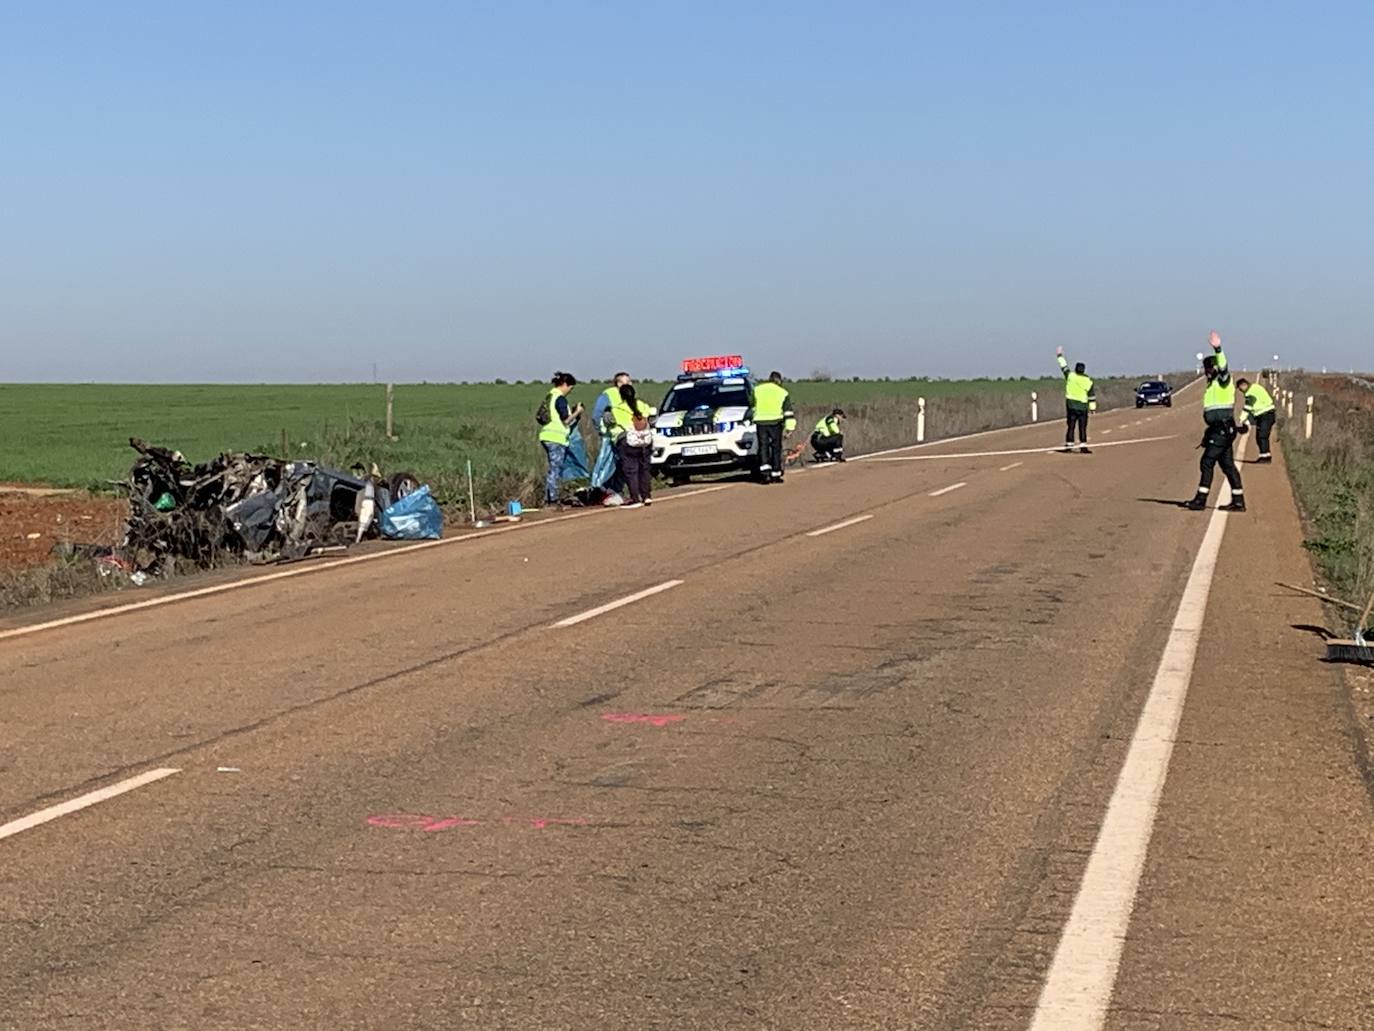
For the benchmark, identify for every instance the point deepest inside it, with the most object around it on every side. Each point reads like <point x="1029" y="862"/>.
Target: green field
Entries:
<point x="77" y="435"/>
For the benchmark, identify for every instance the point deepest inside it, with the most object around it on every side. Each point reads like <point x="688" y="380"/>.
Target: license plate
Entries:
<point x="692" y="450"/>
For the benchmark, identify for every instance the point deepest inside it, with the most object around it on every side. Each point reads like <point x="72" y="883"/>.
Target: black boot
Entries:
<point x="1237" y="504"/>
<point x="1083" y="449"/>
<point x="1198" y="503"/>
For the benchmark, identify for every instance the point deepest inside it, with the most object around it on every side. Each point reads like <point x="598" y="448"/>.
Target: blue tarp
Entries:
<point x="604" y="470"/>
<point x="416" y="517"/>
<point x="575" y="465"/>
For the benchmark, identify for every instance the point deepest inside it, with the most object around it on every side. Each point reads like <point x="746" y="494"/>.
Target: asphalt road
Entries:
<point x="843" y="779"/>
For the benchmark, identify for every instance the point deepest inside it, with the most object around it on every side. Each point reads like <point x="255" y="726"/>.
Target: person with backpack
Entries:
<point x="557" y="421"/>
<point x="635" y="443"/>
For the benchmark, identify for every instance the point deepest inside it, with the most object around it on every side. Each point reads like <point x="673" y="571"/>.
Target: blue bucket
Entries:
<point x="514" y="508"/>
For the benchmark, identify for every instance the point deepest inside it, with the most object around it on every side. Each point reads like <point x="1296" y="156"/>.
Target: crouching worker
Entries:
<point x="1259" y="413"/>
<point x="1219" y="413"/>
<point x="827" y="439"/>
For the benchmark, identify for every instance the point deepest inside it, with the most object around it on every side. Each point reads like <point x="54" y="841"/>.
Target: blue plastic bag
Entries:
<point x="416" y="517"/>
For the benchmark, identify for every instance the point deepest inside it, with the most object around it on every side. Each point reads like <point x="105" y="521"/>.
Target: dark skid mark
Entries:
<point x="599" y="699"/>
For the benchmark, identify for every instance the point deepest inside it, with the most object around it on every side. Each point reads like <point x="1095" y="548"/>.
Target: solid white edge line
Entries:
<point x="582" y="617"/>
<point x="839" y="526"/>
<point x="1013" y="465"/>
<point x="946" y="490"/>
<point x="1078" y="988"/>
<point x="52" y="812"/>
<point x="316" y="567"/>
<point x="1017" y="451"/>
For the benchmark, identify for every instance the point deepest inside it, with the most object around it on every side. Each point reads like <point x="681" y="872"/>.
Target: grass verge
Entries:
<point x="1333" y="478"/>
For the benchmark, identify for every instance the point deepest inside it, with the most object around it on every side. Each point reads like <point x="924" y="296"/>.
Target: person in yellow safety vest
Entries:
<point x="1219" y="413"/>
<point x="608" y="472"/>
<point x="827" y="439"/>
<point x="1080" y="398"/>
<point x="556" y="418"/>
<point x="1259" y="411"/>
<point x="773" y="417"/>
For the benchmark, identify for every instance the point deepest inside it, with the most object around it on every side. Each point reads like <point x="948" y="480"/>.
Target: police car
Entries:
<point x="702" y="425"/>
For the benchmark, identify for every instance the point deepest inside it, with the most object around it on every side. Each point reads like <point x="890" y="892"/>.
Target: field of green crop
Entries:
<point x="77" y="435"/>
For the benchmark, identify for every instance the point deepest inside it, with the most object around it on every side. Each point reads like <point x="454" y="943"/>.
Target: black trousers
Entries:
<point x="1076" y="417"/>
<point x="636" y="466"/>
<point x="1264" y="425"/>
<point x="827" y="445"/>
<point x="770" y="447"/>
<point x="1216" y="451"/>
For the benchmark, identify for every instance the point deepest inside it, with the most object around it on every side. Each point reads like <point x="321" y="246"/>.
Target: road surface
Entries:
<point x="867" y="752"/>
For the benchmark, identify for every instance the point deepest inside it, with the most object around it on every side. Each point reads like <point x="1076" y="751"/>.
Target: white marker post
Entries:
<point x="1035" y="407"/>
<point x="390" y="397"/>
<point x="1290" y="404"/>
<point x="920" y="420"/>
<point x="1308" y="431"/>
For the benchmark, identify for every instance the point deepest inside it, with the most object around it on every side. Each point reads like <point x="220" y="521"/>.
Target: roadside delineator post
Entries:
<point x="1307" y="432"/>
<point x="1035" y="407"/>
<point x="920" y="420"/>
<point x="1290" y="404"/>
<point x="390" y="396"/>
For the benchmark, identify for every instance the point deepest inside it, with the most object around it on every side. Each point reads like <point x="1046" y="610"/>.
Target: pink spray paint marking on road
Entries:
<point x="420" y="822"/>
<point x="430" y="824"/>
<point x="641" y="717"/>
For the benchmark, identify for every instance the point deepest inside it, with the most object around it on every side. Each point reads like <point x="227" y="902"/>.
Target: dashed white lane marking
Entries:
<point x="82" y="801"/>
<point x="1105" y="432"/>
<point x="1078" y="988"/>
<point x="946" y="490"/>
<point x="610" y="606"/>
<point x="1017" y="451"/>
<point x="1012" y="466"/>
<point x="839" y="526"/>
<point x="320" y="567"/>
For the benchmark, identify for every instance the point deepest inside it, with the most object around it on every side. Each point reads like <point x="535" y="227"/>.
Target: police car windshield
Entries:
<point x="710" y="393"/>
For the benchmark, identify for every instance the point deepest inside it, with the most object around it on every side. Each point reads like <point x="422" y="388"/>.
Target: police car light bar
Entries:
<point x="713" y="363"/>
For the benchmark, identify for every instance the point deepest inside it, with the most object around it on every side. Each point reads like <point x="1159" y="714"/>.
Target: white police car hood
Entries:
<point x="728" y="414"/>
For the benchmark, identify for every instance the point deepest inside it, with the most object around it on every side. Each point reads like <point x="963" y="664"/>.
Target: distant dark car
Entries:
<point x="1154" y="392"/>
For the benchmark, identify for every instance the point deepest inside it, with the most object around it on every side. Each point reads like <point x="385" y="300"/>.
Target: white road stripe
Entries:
<point x="648" y="592"/>
<point x="946" y="490"/>
<point x="1105" y="432"/>
<point x="1017" y="451"/>
<point x="1078" y="988"/>
<point x="1012" y="466"/>
<point x="840" y="526"/>
<point x="82" y="801"/>
<point x="319" y="567"/>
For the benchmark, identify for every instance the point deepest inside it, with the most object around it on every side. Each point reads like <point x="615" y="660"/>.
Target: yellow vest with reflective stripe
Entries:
<point x="1077" y="388"/>
<point x="555" y="431"/>
<point x="769" y="401"/>
<point x="828" y="427"/>
<point x="1217" y="397"/>
<point x="1258" y="401"/>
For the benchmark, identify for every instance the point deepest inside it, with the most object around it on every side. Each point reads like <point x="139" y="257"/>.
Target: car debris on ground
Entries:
<point x="255" y="507"/>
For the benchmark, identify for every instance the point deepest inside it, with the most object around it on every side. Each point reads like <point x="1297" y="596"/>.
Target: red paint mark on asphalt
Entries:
<point x="641" y="717"/>
<point x="430" y="824"/>
<point x="451" y="821"/>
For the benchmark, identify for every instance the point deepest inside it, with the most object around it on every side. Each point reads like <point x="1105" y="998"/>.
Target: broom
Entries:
<point x="1355" y="649"/>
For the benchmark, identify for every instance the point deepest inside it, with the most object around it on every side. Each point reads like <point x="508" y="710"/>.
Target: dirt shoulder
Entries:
<point x="33" y="521"/>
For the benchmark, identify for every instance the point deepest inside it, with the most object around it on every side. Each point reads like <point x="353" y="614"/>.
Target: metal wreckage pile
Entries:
<point x="260" y="508"/>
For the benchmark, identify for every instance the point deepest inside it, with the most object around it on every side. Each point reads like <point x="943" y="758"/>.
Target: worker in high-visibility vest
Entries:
<point x="1258" y="411"/>
<point x="1219" y="413"/>
<point x="827" y="439"/>
<point x="773" y="418"/>
<point x="557" y="420"/>
<point x="1080" y="398"/>
<point x="607" y="472"/>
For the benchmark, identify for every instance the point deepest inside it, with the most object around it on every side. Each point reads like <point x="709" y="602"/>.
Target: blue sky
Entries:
<point x="294" y="191"/>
